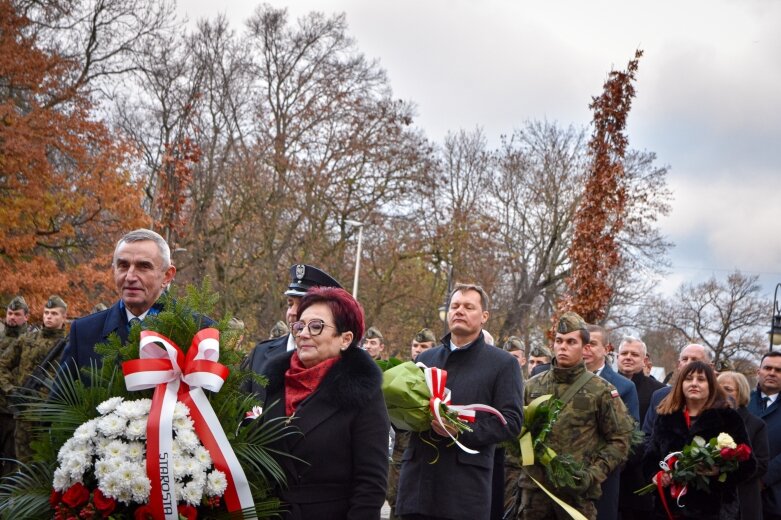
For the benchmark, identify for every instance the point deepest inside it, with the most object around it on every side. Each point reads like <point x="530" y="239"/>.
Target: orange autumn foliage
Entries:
<point x="66" y="193"/>
<point x="595" y="252"/>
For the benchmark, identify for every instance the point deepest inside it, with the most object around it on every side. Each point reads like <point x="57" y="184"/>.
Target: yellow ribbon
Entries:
<point x="574" y="513"/>
<point x="527" y="454"/>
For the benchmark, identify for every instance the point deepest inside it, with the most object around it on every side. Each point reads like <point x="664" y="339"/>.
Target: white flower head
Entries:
<point x="61" y="480"/>
<point x="136" y="429"/>
<point x="188" y="441"/>
<point x="216" y="483"/>
<point x="135" y="451"/>
<point x="724" y="440"/>
<point x="85" y="432"/>
<point x="699" y="441"/>
<point x="112" y="425"/>
<point x="140" y="487"/>
<point x="182" y="423"/>
<point x="109" y="405"/>
<point x="131" y="410"/>
<point x="202" y="455"/>
<point x="181" y="410"/>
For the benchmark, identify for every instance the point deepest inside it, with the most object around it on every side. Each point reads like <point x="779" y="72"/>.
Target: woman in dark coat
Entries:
<point x="697" y="406"/>
<point x="329" y="388"/>
<point x="736" y="387"/>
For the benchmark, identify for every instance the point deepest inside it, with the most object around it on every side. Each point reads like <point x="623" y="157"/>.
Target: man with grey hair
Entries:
<point x="689" y="353"/>
<point x="632" y="352"/>
<point x="142" y="271"/>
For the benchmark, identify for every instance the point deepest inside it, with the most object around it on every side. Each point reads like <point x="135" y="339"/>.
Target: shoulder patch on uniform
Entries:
<point x="614" y="393"/>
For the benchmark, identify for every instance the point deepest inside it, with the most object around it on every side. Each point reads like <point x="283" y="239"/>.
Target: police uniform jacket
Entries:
<point x="342" y="445"/>
<point x="771" y="496"/>
<point x="671" y="434"/>
<point x="594" y="427"/>
<point x="458" y="485"/>
<point x="258" y="361"/>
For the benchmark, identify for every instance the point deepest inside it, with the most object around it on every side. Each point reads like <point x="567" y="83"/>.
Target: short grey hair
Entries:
<point x="633" y="339"/>
<point x="141" y="234"/>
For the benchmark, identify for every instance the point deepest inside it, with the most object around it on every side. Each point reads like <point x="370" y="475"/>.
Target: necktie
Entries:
<point x="765" y="401"/>
<point x="132" y="322"/>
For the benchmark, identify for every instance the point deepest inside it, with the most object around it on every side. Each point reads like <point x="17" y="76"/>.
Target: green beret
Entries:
<point x="18" y="303"/>
<point x="55" y="301"/>
<point x="279" y="329"/>
<point x="541" y="351"/>
<point x="372" y="333"/>
<point x="424" y="336"/>
<point x="513" y="343"/>
<point x="570" y="322"/>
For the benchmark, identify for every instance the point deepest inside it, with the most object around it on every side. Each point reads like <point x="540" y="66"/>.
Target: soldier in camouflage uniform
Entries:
<point x="24" y="356"/>
<point x="594" y="427"/>
<point x="16" y="315"/>
<point x="423" y="340"/>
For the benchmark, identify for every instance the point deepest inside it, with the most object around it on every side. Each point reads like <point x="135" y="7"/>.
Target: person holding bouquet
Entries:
<point x="329" y="389"/>
<point x="696" y="413"/>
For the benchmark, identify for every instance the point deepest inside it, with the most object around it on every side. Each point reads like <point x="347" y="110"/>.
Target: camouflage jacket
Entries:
<point x="23" y="355"/>
<point x="593" y="427"/>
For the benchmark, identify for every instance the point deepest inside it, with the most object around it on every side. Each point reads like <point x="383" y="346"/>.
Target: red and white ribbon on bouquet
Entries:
<point x="677" y="491"/>
<point x="178" y="377"/>
<point x="440" y="394"/>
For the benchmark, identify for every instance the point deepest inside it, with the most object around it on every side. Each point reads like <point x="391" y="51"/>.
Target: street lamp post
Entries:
<point x="359" y="225"/>
<point x="775" y="324"/>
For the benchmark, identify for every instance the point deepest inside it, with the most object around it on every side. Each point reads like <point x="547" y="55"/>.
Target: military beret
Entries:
<point x="372" y="333"/>
<point x="55" y="301"/>
<point x="541" y="351"/>
<point x="513" y="343"/>
<point x="304" y="277"/>
<point x="18" y="303"/>
<point x="570" y="322"/>
<point x="424" y="336"/>
<point x="235" y="324"/>
<point x="279" y="329"/>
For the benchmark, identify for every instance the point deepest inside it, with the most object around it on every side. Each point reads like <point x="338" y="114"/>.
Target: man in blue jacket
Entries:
<point x="764" y="403"/>
<point x="142" y="271"/>
<point x="595" y="355"/>
<point x="458" y="485"/>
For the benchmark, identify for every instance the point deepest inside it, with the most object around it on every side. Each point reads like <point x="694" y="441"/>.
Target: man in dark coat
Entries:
<point x="302" y="278"/>
<point x="764" y="403"/>
<point x="595" y="355"/>
<point x="458" y="485"/>
<point x="142" y="271"/>
<point x="631" y="356"/>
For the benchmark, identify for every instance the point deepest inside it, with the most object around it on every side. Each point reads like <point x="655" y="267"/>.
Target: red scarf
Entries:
<point x="300" y="381"/>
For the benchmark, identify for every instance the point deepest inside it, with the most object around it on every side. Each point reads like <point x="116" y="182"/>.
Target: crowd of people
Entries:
<point x="323" y="379"/>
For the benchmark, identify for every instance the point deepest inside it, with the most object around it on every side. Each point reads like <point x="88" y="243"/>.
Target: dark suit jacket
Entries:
<point x="651" y="414"/>
<point x="632" y="477"/>
<point x="607" y="505"/>
<point x="343" y="446"/>
<point x="458" y="485"/>
<point x="258" y="361"/>
<point x="750" y="490"/>
<point x="92" y="330"/>
<point x="771" y="496"/>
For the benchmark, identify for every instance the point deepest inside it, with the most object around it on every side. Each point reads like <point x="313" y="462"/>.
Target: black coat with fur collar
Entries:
<point x="671" y="434"/>
<point x="343" y="444"/>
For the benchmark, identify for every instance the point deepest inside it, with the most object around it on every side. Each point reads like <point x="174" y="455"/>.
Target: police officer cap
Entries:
<point x="513" y="343"/>
<point x="373" y="333"/>
<point x="304" y="277"/>
<point x="18" y="303"/>
<point x="424" y="336"/>
<point x="541" y="351"/>
<point x="570" y="322"/>
<point x="55" y="301"/>
<point x="279" y="329"/>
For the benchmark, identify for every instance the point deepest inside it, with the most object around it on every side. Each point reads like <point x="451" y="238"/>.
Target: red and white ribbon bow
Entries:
<point x="440" y="394"/>
<point x="178" y="377"/>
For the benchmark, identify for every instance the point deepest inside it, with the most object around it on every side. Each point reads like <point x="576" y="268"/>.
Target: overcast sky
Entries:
<point x="708" y="95"/>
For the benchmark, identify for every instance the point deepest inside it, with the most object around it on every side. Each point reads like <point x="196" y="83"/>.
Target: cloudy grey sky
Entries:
<point x="708" y="95"/>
